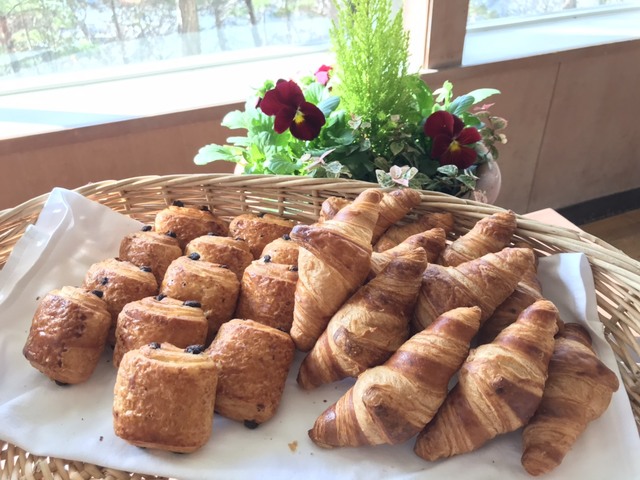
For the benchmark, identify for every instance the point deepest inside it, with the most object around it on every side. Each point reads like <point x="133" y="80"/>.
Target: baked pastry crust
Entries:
<point x="232" y="252"/>
<point x="258" y="229"/>
<point x="164" y="398"/>
<point x="267" y="294"/>
<point x="161" y="320"/>
<point x="68" y="334"/>
<point x="189" y="222"/>
<point x="216" y="289"/>
<point x="253" y="362"/>
<point x="150" y="249"/>
<point x="121" y="282"/>
<point x="282" y="250"/>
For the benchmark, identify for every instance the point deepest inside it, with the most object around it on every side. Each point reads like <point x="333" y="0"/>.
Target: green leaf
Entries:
<point x="314" y="93"/>
<point x="236" y="119"/>
<point x="460" y="105"/>
<point x="396" y="148"/>
<point x="328" y="105"/>
<point x="281" y="165"/>
<point x="467" y="180"/>
<point x="213" y="153"/>
<point x="448" y="170"/>
<point x="482" y="94"/>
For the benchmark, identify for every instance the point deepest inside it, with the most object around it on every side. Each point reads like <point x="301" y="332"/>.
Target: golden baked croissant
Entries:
<point x="331" y="206"/>
<point x="370" y="326"/>
<point x="334" y="260"/>
<point x="258" y="229"/>
<point x="282" y="250"/>
<point x="391" y="403"/>
<point x="578" y="390"/>
<point x="232" y="252"/>
<point x="393" y="207"/>
<point x="486" y="281"/>
<point x="433" y="241"/>
<point x="527" y="291"/>
<point x="499" y="387"/>
<point x="490" y="234"/>
<point x="147" y="248"/>
<point x="398" y="233"/>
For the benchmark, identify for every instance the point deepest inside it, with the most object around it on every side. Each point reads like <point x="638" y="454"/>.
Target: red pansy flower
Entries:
<point x="322" y="74"/>
<point x="286" y="101"/>
<point x="451" y="140"/>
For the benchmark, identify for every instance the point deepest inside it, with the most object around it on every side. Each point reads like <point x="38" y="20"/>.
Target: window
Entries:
<point x="70" y="41"/>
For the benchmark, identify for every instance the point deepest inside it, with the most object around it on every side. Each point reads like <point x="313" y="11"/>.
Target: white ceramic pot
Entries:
<point x="488" y="183"/>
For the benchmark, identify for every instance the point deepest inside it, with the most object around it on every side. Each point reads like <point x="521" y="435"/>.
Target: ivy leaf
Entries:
<point x="467" y="180"/>
<point x="396" y="148"/>
<point x="448" y="170"/>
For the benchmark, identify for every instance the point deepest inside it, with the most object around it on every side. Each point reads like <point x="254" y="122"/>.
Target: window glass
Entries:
<point x="52" y="40"/>
<point x="486" y="11"/>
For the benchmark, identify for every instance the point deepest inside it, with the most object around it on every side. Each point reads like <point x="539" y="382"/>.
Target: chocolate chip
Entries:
<point x="260" y="214"/>
<point x="178" y="203"/>
<point x="225" y="266"/>
<point x="205" y="208"/>
<point x="144" y="268"/>
<point x="192" y="303"/>
<point x="293" y="268"/>
<point x="266" y="258"/>
<point x="160" y="297"/>
<point x="195" y="349"/>
<point x="251" y="424"/>
<point x="286" y="236"/>
<point x="171" y="234"/>
<point x="98" y="293"/>
<point x="104" y="280"/>
<point x="194" y="256"/>
<point x="154" y="345"/>
<point x="146" y="228"/>
<point x="240" y="239"/>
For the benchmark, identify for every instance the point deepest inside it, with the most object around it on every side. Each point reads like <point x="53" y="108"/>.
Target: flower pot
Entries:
<point x="488" y="183"/>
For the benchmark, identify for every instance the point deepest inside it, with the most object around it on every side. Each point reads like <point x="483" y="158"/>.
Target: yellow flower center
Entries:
<point x="299" y="117"/>
<point x="455" y="146"/>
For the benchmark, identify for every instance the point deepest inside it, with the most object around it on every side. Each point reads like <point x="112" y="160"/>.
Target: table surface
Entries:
<point x="551" y="217"/>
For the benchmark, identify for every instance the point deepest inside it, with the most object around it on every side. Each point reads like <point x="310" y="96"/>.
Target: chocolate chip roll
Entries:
<point x="151" y="249"/>
<point x="232" y="252"/>
<point x="121" y="282"/>
<point x="253" y="363"/>
<point x="216" y="288"/>
<point x="282" y="250"/>
<point x="259" y="229"/>
<point x="68" y="334"/>
<point x="162" y="320"/>
<point x="267" y="293"/>
<point x="164" y="397"/>
<point x="189" y="222"/>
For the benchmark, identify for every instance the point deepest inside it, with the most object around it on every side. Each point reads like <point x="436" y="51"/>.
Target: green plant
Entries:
<point x="366" y="117"/>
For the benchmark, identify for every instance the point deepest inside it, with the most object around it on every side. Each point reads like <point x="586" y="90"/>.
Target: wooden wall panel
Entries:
<point x="590" y="146"/>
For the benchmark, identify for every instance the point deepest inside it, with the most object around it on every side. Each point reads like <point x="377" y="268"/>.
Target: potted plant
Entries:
<point x="366" y="116"/>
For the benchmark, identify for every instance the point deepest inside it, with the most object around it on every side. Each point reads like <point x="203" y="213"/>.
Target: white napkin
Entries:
<point x="75" y="422"/>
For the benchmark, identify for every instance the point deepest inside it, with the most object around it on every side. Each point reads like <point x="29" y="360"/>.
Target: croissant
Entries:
<point x="578" y="390"/>
<point x="490" y="234"/>
<point x="398" y="233"/>
<point x="499" y="388"/>
<point x="370" y="326"/>
<point x="393" y="207"/>
<point x="486" y="282"/>
<point x="433" y="241"/>
<point x="391" y="403"/>
<point x="333" y="261"/>
<point x="331" y="206"/>
<point x="527" y="291"/>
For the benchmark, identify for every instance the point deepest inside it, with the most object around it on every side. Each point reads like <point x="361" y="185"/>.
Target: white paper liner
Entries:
<point x="75" y="422"/>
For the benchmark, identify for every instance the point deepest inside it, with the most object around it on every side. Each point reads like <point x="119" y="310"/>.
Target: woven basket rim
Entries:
<point x="617" y="275"/>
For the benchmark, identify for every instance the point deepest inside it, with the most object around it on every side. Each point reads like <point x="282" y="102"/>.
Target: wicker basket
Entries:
<point x="616" y="276"/>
